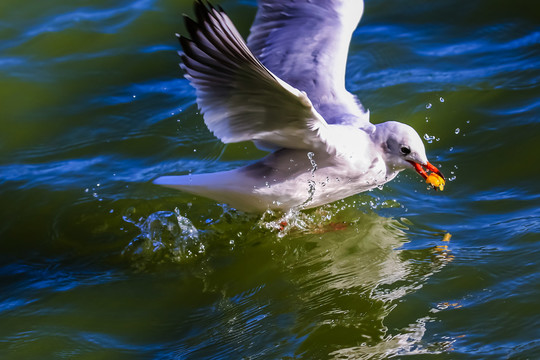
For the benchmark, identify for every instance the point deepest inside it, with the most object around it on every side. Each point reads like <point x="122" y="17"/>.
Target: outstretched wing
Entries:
<point x="305" y="43"/>
<point x="239" y="97"/>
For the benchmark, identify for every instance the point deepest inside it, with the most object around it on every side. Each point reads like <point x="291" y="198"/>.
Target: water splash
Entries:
<point x="311" y="183"/>
<point x="283" y="223"/>
<point x="295" y="221"/>
<point x="165" y="236"/>
<point x="311" y="156"/>
<point x="326" y="218"/>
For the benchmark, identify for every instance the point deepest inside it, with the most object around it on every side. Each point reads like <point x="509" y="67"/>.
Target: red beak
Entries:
<point x="419" y="169"/>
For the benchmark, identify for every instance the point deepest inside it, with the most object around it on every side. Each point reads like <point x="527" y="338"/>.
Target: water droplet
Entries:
<point x="429" y="138"/>
<point x="451" y="149"/>
<point x="428" y="106"/>
<point x="441" y="99"/>
<point x="194" y="150"/>
<point x="202" y="248"/>
<point x="456" y="131"/>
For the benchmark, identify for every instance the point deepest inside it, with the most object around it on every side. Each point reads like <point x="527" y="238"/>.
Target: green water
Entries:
<point x="98" y="263"/>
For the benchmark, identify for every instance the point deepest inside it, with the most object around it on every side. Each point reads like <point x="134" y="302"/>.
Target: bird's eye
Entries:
<point x="405" y="150"/>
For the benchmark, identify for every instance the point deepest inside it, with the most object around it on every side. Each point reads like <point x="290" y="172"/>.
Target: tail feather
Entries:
<point x="222" y="187"/>
<point x="210" y="181"/>
<point x="173" y="181"/>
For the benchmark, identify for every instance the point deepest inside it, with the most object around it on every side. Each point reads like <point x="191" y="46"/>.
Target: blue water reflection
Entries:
<point x="93" y="107"/>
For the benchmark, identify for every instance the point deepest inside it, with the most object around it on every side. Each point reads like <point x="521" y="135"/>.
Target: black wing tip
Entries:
<point x="205" y="5"/>
<point x="185" y="43"/>
<point x="204" y="13"/>
<point x="204" y="10"/>
<point x="192" y="26"/>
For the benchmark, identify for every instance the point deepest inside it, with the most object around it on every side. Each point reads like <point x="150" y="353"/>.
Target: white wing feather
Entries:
<point x="305" y="43"/>
<point x="239" y="97"/>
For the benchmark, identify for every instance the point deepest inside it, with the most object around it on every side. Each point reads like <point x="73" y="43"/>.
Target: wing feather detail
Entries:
<point x="241" y="100"/>
<point x="306" y="43"/>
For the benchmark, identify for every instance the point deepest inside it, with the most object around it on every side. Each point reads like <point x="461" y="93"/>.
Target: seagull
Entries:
<point x="284" y="90"/>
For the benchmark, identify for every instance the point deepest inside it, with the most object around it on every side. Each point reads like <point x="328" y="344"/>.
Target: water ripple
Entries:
<point x="94" y="107"/>
<point x="93" y="19"/>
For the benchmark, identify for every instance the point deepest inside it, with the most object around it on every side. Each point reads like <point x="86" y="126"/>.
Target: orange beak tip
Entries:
<point x="435" y="178"/>
<point x="436" y="181"/>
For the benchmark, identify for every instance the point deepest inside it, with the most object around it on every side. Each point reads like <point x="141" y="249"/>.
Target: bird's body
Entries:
<point x="286" y="93"/>
<point x="288" y="178"/>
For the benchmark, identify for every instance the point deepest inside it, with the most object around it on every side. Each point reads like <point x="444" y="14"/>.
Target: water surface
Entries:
<point x="98" y="263"/>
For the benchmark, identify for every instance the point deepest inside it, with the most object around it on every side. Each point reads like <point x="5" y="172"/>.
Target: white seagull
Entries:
<point x="285" y="91"/>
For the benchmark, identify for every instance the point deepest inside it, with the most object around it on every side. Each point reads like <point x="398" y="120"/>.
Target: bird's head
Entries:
<point x="403" y="148"/>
